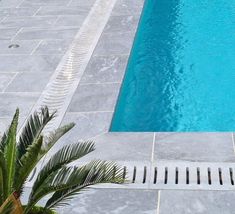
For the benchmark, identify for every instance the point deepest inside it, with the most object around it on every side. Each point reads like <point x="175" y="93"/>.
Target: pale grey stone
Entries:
<point x="26" y="82"/>
<point x="125" y="7"/>
<point x="94" y="97"/>
<point x="10" y="101"/>
<point x="72" y="20"/>
<point x="113" y="201"/>
<point x="117" y="24"/>
<point x="28" y="3"/>
<point x="5" y="79"/>
<point x="25" y="47"/>
<point x="16" y="63"/>
<point x="197" y="202"/>
<point x="105" y="69"/>
<point x="8" y="33"/>
<point x="17" y="12"/>
<point x="194" y="146"/>
<point x="55" y="33"/>
<point x="115" y="44"/>
<point x="51" y="47"/>
<point x="122" y="146"/>
<point x="33" y="22"/>
<point x="47" y="10"/>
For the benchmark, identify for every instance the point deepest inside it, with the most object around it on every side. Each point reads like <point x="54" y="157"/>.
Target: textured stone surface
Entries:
<point x="94" y="97"/>
<point x="200" y="202"/>
<point x="123" y="146"/>
<point x="105" y="69"/>
<point x="5" y="79"/>
<point x="194" y="146"/>
<point x="114" y="201"/>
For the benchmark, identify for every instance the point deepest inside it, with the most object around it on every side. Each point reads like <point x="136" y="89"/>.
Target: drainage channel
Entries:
<point x="63" y="83"/>
<point x="179" y="175"/>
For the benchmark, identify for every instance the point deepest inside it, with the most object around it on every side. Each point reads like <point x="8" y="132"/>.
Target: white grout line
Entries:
<point x="158" y="201"/>
<point x="36" y="47"/>
<point x="153" y="147"/>
<point x="233" y="142"/>
<point x="12" y="79"/>
<point x="16" y="34"/>
<point x="37" y="11"/>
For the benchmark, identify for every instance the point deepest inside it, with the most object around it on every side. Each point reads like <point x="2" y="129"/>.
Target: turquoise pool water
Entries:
<point x="181" y="72"/>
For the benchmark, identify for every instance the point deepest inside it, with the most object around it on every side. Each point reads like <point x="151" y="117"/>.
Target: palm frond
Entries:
<point x="64" y="156"/>
<point x="33" y="129"/>
<point x="8" y="208"/>
<point x="3" y="141"/>
<point x="69" y="181"/>
<point x="55" y="136"/>
<point x="10" y="152"/>
<point x="27" y="163"/>
<point x="3" y="178"/>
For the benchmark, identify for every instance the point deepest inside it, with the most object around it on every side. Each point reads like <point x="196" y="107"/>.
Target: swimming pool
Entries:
<point x="181" y="72"/>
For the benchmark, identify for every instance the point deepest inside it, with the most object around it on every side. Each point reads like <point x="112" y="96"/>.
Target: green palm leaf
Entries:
<point x="33" y="129"/>
<point x="55" y="136"/>
<point x="64" y="156"/>
<point x="28" y="162"/>
<point x="3" y="178"/>
<point x="10" y="152"/>
<point x="69" y="181"/>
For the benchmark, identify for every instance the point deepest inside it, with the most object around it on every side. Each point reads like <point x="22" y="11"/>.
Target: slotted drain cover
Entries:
<point x="179" y="175"/>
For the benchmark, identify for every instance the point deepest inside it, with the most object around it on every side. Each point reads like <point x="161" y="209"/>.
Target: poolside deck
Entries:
<point x="46" y="30"/>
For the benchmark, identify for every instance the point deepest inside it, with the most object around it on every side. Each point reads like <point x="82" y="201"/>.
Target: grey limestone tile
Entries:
<point x="88" y="125"/>
<point x="8" y="33"/>
<point x="125" y="7"/>
<point x="122" y="147"/>
<point x="197" y="202"/>
<point x="52" y="47"/>
<point x="17" y="12"/>
<point x="10" y="101"/>
<point x="25" y="47"/>
<point x="115" y="44"/>
<point x="113" y="201"/>
<point x="17" y="63"/>
<point x="105" y="69"/>
<point x="5" y="79"/>
<point x="47" y="10"/>
<point x="211" y="147"/>
<point x="121" y="24"/>
<point x="82" y="3"/>
<point x="28" y="3"/>
<point x="55" y="33"/>
<point x="94" y="97"/>
<point x="34" y="22"/>
<point x="29" y="82"/>
<point x="72" y="20"/>
<point x="10" y="3"/>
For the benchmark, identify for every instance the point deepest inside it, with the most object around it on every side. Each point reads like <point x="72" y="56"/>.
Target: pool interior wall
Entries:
<point x="181" y="71"/>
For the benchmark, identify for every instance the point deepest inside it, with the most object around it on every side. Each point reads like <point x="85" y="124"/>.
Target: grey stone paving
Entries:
<point x="44" y="29"/>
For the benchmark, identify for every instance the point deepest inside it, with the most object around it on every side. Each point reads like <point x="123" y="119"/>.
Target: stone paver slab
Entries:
<point x="50" y="47"/>
<point x="8" y="33"/>
<point x="5" y="79"/>
<point x="121" y="24"/>
<point x="33" y="34"/>
<point x="114" y="44"/>
<point x="25" y="47"/>
<point x="194" y="147"/>
<point x="197" y="202"/>
<point x="105" y="69"/>
<point x="72" y="20"/>
<point x="122" y="147"/>
<point x="26" y="82"/>
<point x="94" y="97"/>
<point x="128" y="7"/>
<point x="10" y="101"/>
<point x="15" y="63"/>
<point x="33" y="22"/>
<point x="114" y="201"/>
<point x="17" y="12"/>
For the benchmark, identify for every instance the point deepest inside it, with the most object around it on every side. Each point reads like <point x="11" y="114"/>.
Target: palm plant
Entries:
<point x="19" y="157"/>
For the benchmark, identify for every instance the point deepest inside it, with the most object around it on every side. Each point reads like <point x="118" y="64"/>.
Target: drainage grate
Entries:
<point x="179" y="175"/>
